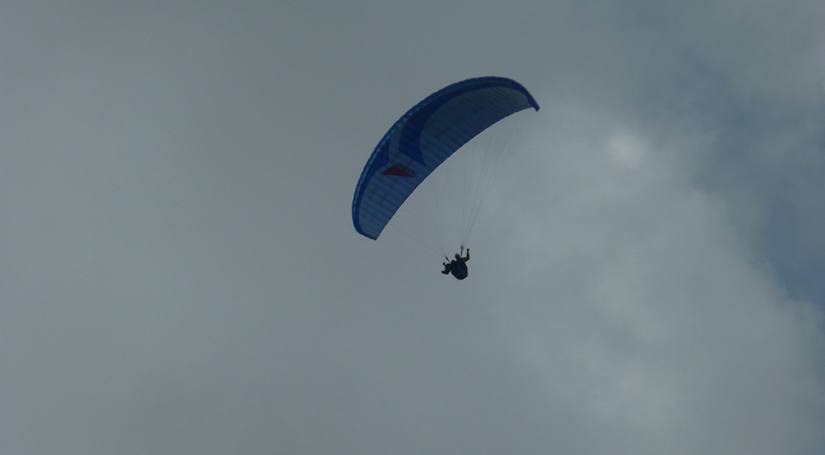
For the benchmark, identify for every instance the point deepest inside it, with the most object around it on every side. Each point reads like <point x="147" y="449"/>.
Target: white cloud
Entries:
<point x="635" y="296"/>
<point x="626" y="149"/>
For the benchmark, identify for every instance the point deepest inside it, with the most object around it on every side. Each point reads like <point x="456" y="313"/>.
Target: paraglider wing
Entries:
<point x="426" y="136"/>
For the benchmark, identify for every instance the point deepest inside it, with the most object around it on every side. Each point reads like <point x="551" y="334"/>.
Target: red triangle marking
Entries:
<point x="398" y="171"/>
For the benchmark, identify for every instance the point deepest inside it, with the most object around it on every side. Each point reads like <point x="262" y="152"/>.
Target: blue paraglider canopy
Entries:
<point x="425" y="137"/>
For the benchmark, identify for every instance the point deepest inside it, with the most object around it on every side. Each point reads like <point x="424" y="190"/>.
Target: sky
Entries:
<point x="179" y="273"/>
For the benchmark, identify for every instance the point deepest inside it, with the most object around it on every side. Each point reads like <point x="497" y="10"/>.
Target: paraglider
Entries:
<point x="423" y="138"/>
<point x="457" y="266"/>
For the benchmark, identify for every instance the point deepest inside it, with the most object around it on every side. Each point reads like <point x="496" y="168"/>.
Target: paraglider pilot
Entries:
<point x="457" y="266"/>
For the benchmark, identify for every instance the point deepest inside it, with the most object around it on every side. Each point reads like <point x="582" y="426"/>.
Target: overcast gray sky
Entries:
<point x="179" y="273"/>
